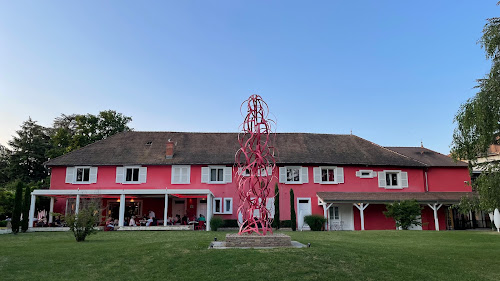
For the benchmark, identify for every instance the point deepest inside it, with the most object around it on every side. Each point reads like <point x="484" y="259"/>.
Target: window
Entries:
<point x="217" y="205"/>
<point x="216" y="174"/>
<point x="82" y="175"/>
<point x="366" y="174"/>
<point x="132" y="175"/>
<point x="393" y="179"/>
<point x="328" y="175"/>
<point x="334" y="213"/>
<point x="223" y="206"/>
<point x="293" y="175"/>
<point x="181" y="174"/>
<point x="228" y="205"/>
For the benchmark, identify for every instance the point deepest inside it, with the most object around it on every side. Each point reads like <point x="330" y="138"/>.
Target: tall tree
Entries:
<point x="4" y="165"/>
<point x="478" y="123"/>
<point x="29" y="152"/>
<point x="276" y="221"/>
<point x="26" y="209"/>
<point x="293" y="215"/>
<point x="18" y="205"/>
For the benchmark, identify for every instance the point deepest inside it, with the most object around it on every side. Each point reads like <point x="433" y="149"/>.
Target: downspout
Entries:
<point x="426" y="181"/>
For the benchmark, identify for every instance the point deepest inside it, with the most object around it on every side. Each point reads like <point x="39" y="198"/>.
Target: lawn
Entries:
<point x="183" y="255"/>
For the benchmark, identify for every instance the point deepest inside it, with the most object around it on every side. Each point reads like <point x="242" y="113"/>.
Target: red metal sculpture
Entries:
<point x="255" y="162"/>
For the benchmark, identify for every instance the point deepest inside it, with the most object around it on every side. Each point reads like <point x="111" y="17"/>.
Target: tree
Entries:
<point x="293" y="216"/>
<point x="29" y="152"/>
<point x="26" y="209"/>
<point x="478" y="124"/>
<point x="18" y="205"/>
<point x="406" y="213"/>
<point x="276" y="221"/>
<point x="4" y="165"/>
<point x="84" y="223"/>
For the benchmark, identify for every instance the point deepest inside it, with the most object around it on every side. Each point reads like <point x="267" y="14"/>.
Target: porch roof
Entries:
<point x="55" y="192"/>
<point x="387" y="197"/>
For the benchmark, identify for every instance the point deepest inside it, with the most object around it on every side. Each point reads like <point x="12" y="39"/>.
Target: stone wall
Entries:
<point x="254" y="240"/>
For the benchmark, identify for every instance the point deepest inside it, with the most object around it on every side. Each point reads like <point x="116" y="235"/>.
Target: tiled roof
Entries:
<point x="384" y="197"/>
<point x="148" y="148"/>
<point x="429" y="157"/>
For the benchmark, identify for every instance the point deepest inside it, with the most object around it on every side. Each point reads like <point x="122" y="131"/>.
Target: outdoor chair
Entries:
<point x="200" y="226"/>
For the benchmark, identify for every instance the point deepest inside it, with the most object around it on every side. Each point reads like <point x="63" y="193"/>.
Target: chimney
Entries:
<point x="170" y="149"/>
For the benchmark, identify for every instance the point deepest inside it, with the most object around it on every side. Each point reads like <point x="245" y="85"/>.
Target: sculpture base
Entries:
<point x="258" y="241"/>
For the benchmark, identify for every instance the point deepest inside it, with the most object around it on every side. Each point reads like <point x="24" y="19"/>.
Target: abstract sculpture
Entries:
<point x="255" y="162"/>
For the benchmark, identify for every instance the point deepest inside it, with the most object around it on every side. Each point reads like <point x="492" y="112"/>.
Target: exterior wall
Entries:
<point x="159" y="177"/>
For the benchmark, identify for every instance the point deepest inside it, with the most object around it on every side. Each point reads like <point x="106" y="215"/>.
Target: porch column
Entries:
<point x="121" y="218"/>
<point x="325" y="214"/>
<point x="51" y="209"/>
<point x="361" y="207"/>
<point x="32" y="210"/>
<point x="209" y="211"/>
<point x="77" y="204"/>
<point x="165" y="211"/>
<point x="435" y="208"/>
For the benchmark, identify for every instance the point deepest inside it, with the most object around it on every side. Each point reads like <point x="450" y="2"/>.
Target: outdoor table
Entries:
<point x="193" y="223"/>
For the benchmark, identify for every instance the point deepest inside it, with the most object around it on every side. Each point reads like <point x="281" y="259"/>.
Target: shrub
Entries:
<point x="405" y="213"/>
<point x="26" y="209"/>
<point x="230" y="223"/>
<point x="285" y="224"/>
<point x="276" y="221"/>
<point x="18" y="205"/>
<point x="84" y="223"/>
<point x="293" y="216"/>
<point x="215" y="223"/>
<point x="315" y="222"/>
<point x="3" y="223"/>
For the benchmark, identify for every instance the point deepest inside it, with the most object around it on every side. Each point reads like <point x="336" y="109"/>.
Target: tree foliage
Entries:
<point x="26" y="209"/>
<point x="18" y="205"/>
<point x="405" y="213"/>
<point x="293" y="215"/>
<point x="315" y="222"/>
<point x="478" y="124"/>
<point x="276" y="221"/>
<point x="85" y="222"/>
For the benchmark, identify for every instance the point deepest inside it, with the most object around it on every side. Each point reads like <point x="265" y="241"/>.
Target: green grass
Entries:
<point x="183" y="255"/>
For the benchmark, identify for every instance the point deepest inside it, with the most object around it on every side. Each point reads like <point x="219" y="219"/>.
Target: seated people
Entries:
<point x="57" y="221"/>
<point x="149" y="221"/>
<point x="132" y="221"/>
<point x="201" y="218"/>
<point x="185" y="220"/>
<point x="109" y="225"/>
<point x="177" y="219"/>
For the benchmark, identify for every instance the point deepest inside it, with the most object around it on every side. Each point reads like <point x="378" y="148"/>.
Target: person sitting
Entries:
<point x="132" y="221"/>
<point x="149" y="221"/>
<point x="170" y="221"/>
<point x="185" y="220"/>
<point x="125" y="222"/>
<point x="177" y="219"/>
<point x="109" y="225"/>
<point x="57" y="221"/>
<point x="201" y="218"/>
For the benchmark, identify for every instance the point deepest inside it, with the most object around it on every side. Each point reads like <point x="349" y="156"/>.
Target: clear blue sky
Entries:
<point x="393" y="72"/>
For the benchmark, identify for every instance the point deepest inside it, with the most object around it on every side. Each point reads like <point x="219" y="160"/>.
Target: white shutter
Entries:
<point x="304" y="175"/>
<point x="269" y="171"/>
<point x="282" y="171"/>
<point x="205" y="173"/>
<point x="93" y="174"/>
<point x="358" y="174"/>
<point x="317" y="174"/>
<point x="404" y="179"/>
<point x="186" y="174"/>
<point x="339" y="171"/>
<point x="70" y="174"/>
<point x="228" y="174"/>
<point x="176" y="175"/>
<point x="270" y="206"/>
<point x="240" y="171"/>
<point x="381" y="179"/>
<point x="120" y="174"/>
<point x="143" y="174"/>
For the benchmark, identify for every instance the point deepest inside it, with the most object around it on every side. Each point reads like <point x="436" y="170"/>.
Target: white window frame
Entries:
<point x="226" y="199"/>
<point x="334" y="174"/>
<point x="300" y="174"/>
<point x="125" y="168"/>
<point x="371" y="174"/>
<point x="220" y="199"/>
<point x="333" y="211"/>
<point x="180" y="168"/>
<point x="399" y="179"/>
<point x="76" y="175"/>
<point x="210" y="175"/>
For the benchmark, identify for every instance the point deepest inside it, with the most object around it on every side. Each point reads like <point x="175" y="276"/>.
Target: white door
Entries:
<point x="303" y="209"/>
<point x="178" y="207"/>
<point x="202" y="207"/>
<point x="341" y="217"/>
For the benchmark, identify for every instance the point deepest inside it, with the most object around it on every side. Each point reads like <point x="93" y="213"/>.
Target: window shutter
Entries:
<point x="120" y="177"/>
<point x="404" y="179"/>
<point x="176" y="175"/>
<point x="143" y="173"/>
<point x="304" y="175"/>
<point x="282" y="171"/>
<point x="270" y="206"/>
<point x="93" y="174"/>
<point x="205" y="172"/>
<point x="186" y="174"/>
<point x="339" y="171"/>
<point x="240" y="171"/>
<point x="317" y="174"/>
<point x="228" y="174"/>
<point x="381" y="179"/>
<point x="70" y="174"/>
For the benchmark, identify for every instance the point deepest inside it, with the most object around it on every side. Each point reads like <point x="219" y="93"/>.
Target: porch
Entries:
<point x="162" y="204"/>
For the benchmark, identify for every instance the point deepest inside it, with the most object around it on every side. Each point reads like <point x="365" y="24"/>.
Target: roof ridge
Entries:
<point x="385" y="148"/>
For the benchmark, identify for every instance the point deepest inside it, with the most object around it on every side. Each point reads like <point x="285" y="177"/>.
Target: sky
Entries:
<point x="393" y="72"/>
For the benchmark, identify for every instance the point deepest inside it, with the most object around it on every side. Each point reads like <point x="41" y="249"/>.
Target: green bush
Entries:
<point x="315" y="222"/>
<point x="3" y="223"/>
<point x="293" y="216"/>
<point x="276" y="221"/>
<point x="230" y="223"/>
<point x="18" y="206"/>
<point x="84" y="223"/>
<point x="215" y="223"/>
<point x="26" y="209"/>
<point x="285" y="223"/>
<point x="405" y="213"/>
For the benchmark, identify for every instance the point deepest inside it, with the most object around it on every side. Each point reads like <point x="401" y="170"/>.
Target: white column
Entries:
<point x="209" y="211"/>
<point x="77" y="204"/>
<point x="435" y="208"/>
<point x="361" y="207"/>
<point x="51" y="209"/>
<point x="325" y="215"/>
<point x="32" y="210"/>
<point x="165" y="211"/>
<point x="121" y="218"/>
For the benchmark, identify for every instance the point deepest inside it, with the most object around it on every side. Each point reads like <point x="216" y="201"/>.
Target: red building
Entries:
<point x="344" y="177"/>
